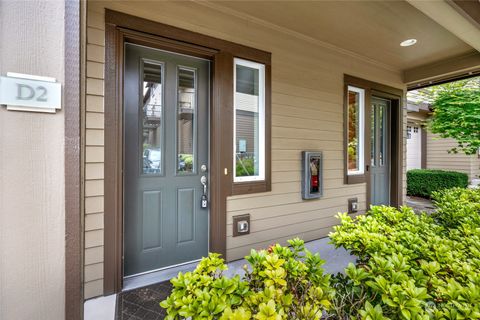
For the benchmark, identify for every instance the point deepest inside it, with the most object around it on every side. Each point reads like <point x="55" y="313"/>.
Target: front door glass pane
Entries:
<point x="152" y="135"/>
<point x="186" y="109"/>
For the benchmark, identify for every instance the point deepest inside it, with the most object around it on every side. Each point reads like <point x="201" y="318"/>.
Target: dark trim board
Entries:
<point x="73" y="216"/>
<point x="395" y="96"/>
<point x="423" y="143"/>
<point x="470" y="9"/>
<point x="121" y="28"/>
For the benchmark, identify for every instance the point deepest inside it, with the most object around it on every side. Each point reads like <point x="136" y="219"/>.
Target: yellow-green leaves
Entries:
<point x="281" y="283"/>
<point x="372" y="313"/>
<point x="413" y="266"/>
<point x="267" y="311"/>
<point x="237" y="314"/>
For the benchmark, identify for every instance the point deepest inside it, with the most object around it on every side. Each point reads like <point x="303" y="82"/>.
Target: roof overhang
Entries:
<point x="461" y="18"/>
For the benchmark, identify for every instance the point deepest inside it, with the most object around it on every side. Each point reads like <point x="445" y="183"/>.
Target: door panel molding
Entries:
<point x="121" y="28"/>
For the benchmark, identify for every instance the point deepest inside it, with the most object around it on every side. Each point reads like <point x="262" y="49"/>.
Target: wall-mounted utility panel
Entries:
<point x="312" y="177"/>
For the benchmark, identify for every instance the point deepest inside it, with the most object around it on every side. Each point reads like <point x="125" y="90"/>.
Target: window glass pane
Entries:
<point x="355" y="130"/>
<point x="152" y="118"/>
<point x="381" y="118"/>
<point x="186" y="109"/>
<point x="373" y="137"/>
<point x="249" y="117"/>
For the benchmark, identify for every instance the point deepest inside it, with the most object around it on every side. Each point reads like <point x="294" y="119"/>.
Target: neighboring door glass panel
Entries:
<point x="249" y="120"/>
<point x="152" y="113"/>
<point x="373" y="137"/>
<point x="381" y="118"/>
<point x="186" y="120"/>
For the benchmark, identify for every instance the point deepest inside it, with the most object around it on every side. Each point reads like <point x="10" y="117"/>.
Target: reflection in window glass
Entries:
<point x="249" y="121"/>
<point x="355" y="130"/>
<point x="381" y="118"/>
<point x="186" y="108"/>
<point x="152" y="118"/>
<point x="373" y="137"/>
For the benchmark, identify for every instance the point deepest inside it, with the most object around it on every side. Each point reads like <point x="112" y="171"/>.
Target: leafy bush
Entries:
<point x="411" y="266"/>
<point x="422" y="183"/>
<point x="457" y="207"/>
<point x="283" y="283"/>
<point x="456" y="111"/>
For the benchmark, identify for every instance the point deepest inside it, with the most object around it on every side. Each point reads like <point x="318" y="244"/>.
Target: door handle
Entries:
<point x="204" y="202"/>
<point x="203" y="181"/>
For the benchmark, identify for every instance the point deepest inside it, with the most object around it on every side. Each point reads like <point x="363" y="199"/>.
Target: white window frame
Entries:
<point x="261" y="118"/>
<point x="361" y="132"/>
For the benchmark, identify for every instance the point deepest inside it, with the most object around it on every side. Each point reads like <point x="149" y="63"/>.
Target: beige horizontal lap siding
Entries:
<point x="439" y="158"/>
<point x="94" y="154"/>
<point x="307" y="114"/>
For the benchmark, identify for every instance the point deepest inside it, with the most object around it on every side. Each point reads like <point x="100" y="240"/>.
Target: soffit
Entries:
<point x="372" y="29"/>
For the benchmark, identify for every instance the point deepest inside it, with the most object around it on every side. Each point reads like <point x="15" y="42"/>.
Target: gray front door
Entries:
<point x="380" y="155"/>
<point x="166" y="99"/>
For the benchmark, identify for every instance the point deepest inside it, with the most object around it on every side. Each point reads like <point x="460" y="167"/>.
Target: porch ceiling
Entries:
<point x="373" y="29"/>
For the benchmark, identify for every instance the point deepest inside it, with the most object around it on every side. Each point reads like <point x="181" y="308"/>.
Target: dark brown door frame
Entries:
<point x="395" y="96"/>
<point x="121" y="28"/>
<point x="73" y="99"/>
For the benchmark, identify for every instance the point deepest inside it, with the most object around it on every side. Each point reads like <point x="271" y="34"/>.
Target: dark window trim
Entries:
<point x="119" y="28"/>
<point x="395" y="95"/>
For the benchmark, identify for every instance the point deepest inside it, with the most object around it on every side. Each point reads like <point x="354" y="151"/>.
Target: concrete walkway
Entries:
<point x="420" y="204"/>
<point x="336" y="260"/>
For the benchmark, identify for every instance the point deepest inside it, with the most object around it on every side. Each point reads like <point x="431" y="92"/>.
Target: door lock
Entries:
<point x="204" y="200"/>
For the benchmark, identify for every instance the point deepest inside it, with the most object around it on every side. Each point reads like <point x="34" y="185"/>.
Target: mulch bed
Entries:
<point x="143" y="303"/>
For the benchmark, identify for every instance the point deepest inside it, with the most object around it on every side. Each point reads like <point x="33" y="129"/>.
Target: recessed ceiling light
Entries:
<point x="408" y="42"/>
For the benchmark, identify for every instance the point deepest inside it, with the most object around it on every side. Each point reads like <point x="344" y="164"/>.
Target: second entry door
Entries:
<point x="166" y="97"/>
<point x="380" y="155"/>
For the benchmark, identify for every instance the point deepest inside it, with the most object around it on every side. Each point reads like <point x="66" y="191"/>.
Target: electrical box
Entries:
<point x="312" y="177"/>
<point x="241" y="225"/>
<point x="352" y="205"/>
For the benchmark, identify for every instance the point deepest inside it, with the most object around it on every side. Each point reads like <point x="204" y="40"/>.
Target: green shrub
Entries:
<point x="457" y="207"/>
<point x="283" y="283"/>
<point x="422" y="182"/>
<point x="410" y="266"/>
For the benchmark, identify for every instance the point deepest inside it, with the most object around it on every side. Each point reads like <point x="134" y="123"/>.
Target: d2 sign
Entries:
<point x="23" y="92"/>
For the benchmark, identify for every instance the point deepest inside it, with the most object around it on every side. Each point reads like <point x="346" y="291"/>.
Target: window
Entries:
<point x="249" y="121"/>
<point x="186" y="120"/>
<point x="152" y="131"/>
<point x="355" y="130"/>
